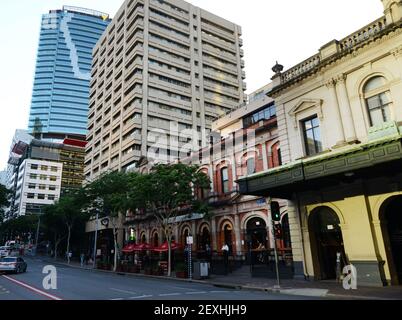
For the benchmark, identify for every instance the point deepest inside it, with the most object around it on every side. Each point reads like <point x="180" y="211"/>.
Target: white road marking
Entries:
<point x="32" y="288"/>
<point x="197" y="292"/>
<point x="141" y="297"/>
<point x="123" y="291"/>
<point x="182" y="288"/>
<point x="169" y="294"/>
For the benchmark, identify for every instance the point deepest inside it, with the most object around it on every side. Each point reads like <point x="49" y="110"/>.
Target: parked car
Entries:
<point x="5" y="251"/>
<point x="13" y="264"/>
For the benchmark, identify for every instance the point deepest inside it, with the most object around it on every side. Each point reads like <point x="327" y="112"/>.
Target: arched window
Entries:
<point x="250" y="166"/>
<point x="378" y="100"/>
<point x="225" y="180"/>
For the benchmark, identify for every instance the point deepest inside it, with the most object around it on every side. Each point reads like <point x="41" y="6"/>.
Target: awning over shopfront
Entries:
<point x="129" y="248"/>
<point x="164" y="247"/>
<point x="360" y="161"/>
<point x="143" y="247"/>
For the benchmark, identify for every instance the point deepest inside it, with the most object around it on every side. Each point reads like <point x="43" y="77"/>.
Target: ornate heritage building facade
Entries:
<point x="339" y="117"/>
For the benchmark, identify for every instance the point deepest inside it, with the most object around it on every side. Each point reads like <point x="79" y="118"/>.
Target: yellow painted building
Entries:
<point x="340" y="129"/>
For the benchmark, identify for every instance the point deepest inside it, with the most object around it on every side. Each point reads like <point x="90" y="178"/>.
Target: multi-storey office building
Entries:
<point x="60" y="95"/>
<point x="44" y="172"/>
<point x="38" y="185"/>
<point x="162" y="72"/>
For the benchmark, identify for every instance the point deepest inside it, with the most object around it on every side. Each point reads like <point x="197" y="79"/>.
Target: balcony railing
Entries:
<point x="345" y="44"/>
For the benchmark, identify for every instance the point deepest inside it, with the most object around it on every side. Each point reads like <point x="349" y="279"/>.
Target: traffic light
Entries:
<point x="278" y="231"/>
<point x="275" y="211"/>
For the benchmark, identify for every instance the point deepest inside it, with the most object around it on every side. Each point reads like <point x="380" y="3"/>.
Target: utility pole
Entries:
<point x="275" y="216"/>
<point x="96" y="238"/>
<point x="37" y="231"/>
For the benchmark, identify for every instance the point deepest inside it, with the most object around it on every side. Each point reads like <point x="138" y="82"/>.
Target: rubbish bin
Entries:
<point x="200" y="270"/>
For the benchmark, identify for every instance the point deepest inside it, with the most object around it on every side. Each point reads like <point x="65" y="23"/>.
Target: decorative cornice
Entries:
<point x="389" y="32"/>
<point x="397" y="52"/>
<point x="341" y="78"/>
<point x="330" y="83"/>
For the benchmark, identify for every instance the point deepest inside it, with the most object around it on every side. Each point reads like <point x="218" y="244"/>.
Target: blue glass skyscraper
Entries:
<point x="60" y="97"/>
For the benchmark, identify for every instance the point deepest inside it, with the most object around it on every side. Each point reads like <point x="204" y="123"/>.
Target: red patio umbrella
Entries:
<point x="165" y="247"/>
<point x="129" y="248"/>
<point x="143" y="247"/>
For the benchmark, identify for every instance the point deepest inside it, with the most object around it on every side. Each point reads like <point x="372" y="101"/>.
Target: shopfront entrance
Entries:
<point x="326" y="242"/>
<point x="393" y="237"/>
<point x="257" y="233"/>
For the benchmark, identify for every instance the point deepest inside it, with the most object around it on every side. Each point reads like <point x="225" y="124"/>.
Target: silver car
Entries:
<point x="13" y="264"/>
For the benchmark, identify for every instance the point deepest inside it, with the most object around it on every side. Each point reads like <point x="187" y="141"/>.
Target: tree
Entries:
<point x="19" y="227"/>
<point x="53" y="226"/>
<point x="112" y="189"/>
<point x="67" y="212"/>
<point x="168" y="191"/>
<point x="70" y="209"/>
<point x="4" y="200"/>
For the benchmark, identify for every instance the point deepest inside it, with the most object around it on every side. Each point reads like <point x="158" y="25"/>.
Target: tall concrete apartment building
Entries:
<point x="60" y="96"/>
<point x="162" y="72"/>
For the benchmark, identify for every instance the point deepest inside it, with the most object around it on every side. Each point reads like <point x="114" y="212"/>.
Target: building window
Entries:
<point x="51" y="197"/>
<point x="53" y="178"/>
<point x="31" y="196"/>
<point x="312" y="136"/>
<point x="250" y="166"/>
<point x="31" y="186"/>
<point x="33" y="176"/>
<point x="225" y="180"/>
<point x="54" y="169"/>
<point x="44" y="168"/>
<point x="43" y="177"/>
<point x="41" y="196"/>
<point x="266" y="113"/>
<point x="52" y="188"/>
<point x="42" y="187"/>
<point x="378" y="100"/>
<point x="34" y="167"/>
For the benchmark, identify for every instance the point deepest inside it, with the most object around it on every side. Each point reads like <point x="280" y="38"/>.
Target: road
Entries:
<point x="79" y="284"/>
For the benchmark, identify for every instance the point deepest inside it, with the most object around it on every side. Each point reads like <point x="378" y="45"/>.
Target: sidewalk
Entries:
<point x="314" y="289"/>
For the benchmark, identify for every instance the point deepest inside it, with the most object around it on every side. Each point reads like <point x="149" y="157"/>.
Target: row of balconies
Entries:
<point x="214" y="51"/>
<point x="170" y="22"/>
<point x="219" y="43"/>
<point x="218" y="32"/>
<point x="169" y="10"/>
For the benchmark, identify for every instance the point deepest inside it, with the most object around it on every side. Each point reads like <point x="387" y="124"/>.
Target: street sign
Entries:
<point x="190" y="240"/>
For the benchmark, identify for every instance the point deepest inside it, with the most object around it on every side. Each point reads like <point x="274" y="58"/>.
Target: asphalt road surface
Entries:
<point x="77" y="284"/>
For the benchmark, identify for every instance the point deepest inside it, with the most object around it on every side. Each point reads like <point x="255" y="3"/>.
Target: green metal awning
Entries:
<point x="284" y="180"/>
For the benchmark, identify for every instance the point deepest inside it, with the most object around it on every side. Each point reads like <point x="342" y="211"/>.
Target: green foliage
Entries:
<point x="4" y="197"/>
<point x="112" y="189"/>
<point x="19" y="227"/>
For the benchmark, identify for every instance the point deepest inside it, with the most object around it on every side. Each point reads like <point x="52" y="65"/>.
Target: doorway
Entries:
<point x="393" y="237"/>
<point x="257" y="233"/>
<point x="326" y="242"/>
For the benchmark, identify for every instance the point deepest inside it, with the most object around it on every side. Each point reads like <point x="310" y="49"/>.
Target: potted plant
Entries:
<point x="181" y="270"/>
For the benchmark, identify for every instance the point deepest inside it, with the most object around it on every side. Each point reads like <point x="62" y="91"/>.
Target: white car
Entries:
<point x="5" y="251"/>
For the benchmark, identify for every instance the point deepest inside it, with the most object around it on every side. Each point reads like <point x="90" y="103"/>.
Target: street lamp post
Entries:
<point x="96" y="238"/>
<point x="37" y="231"/>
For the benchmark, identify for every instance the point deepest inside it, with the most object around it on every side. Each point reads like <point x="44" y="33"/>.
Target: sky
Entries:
<point x="284" y="31"/>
